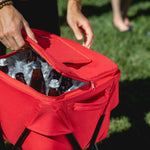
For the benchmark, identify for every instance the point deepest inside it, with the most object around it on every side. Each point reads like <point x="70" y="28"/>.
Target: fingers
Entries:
<point x="19" y="40"/>
<point x="78" y="24"/>
<point x="12" y="40"/>
<point x="88" y="36"/>
<point x="4" y="41"/>
<point x="86" y="29"/>
<point x="77" y="32"/>
<point x="11" y="24"/>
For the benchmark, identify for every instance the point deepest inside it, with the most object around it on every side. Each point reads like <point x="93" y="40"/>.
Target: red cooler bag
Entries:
<point x="49" y="119"/>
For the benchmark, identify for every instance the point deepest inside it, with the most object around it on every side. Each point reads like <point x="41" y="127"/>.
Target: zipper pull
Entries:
<point x="92" y="85"/>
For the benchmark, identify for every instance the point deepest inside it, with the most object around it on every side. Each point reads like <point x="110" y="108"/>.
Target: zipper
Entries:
<point x="36" y="48"/>
<point x="25" y="88"/>
<point x="53" y="63"/>
<point x="92" y="85"/>
<point x="30" y="91"/>
<point x="35" y="94"/>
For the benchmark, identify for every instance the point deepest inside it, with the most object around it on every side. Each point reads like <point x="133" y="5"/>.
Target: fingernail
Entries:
<point x="79" y="37"/>
<point x="35" y="41"/>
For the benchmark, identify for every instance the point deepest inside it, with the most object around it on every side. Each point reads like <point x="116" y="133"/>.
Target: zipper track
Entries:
<point x="35" y="94"/>
<point x="30" y="91"/>
<point x="53" y="64"/>
<point x="25" y="88"/>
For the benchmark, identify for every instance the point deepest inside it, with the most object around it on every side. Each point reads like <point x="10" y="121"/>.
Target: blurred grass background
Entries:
<point x="130" y="121"/>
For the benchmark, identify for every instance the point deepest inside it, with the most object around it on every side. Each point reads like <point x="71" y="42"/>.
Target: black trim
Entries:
<point x="22" y="138"/>
<point x="73" y="141"/>
<point x="95" y="134"/>
<point x="70" y="137"/>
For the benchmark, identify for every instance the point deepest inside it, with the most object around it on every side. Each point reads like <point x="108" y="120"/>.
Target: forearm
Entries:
<point x="78" y="1"/>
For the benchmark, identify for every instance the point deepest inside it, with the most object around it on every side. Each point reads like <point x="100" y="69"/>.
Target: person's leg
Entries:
<point x="117" y="16"/>
<point x="125" y="12"/>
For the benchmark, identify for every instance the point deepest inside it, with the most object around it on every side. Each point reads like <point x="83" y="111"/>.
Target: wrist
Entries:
<point x="5" y="3"/>
<point x="74" y="5"/>
<point x="78" y="1"/>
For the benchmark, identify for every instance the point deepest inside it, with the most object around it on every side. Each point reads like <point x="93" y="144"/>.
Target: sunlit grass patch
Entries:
<point x="119" y="124"/>
<point x="147" y="118"/>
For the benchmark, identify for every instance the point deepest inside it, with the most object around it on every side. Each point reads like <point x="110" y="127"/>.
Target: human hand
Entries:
<point x="11" y="24"/>
<point x="78" y="22"/>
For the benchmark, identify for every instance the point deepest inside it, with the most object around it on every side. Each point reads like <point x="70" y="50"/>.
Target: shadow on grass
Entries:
<point x="140" y="12"/>
<point x="89" y="10"/>
<point x="134" y="103"/>
<point x="92" y="10"/>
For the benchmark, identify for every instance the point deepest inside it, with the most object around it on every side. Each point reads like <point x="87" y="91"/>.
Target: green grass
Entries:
<point x="115" y="45"/>
<point x="130" y="121"/>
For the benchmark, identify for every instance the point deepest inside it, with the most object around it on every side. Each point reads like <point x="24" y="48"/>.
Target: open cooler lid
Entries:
<point x="71" y="58"/>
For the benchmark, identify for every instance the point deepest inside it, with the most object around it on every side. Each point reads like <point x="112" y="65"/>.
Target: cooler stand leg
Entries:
<point x="73" y="141"/>
<point x="70" y="137"/>
<point x="95" y="134"/>
<point x="95" y="147"/>
<point x="21" y="139"/>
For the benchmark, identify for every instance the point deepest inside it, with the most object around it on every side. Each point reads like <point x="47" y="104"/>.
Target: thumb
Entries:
<point x="28" y="31"/>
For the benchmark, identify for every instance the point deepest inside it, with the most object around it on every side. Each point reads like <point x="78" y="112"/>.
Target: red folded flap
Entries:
<point x="66" y="53"/>
<point x="50" y="120"/>
<point x="80" y="63"/>
<point x="59" y="49"/>
<point x="44" y="49"/>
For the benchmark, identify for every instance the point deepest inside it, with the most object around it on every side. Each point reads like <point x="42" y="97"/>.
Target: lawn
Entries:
<point x="130" y="121"/>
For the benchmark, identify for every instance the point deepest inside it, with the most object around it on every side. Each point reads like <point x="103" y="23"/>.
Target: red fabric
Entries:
<point x="77" y="112"/>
